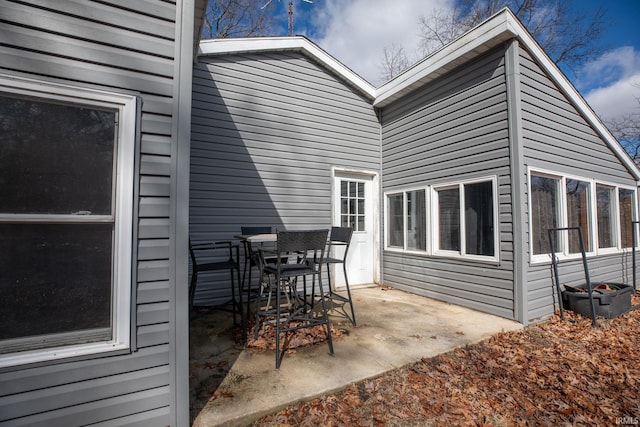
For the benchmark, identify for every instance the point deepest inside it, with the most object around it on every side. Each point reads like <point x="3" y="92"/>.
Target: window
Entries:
<point x="66" y="168"/>
<point x="466" y="224"/>
<point x="460" y="222"/>
<point x="578" y="214"/>
<point x="449" y="219"/>
<point x="395" y="218"/>
<point x="626" y="203"/>
<point x="416" y="220"/>
<point x="605" y="196"/>
<point x="479" y="228"/>
<point x="604" y="214"/>
<point x="544" y="211"/>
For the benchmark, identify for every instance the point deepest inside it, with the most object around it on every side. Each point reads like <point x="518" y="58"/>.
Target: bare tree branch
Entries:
<point x="236" y="18"/>
<point x="394" y="62"/>
<point x="569" y="38"/>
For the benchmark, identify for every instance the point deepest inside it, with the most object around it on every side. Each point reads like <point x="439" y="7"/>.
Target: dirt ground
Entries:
<point x="557" y="373"/>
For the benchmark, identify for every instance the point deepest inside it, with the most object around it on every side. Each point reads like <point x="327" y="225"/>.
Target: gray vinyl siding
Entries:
<point x="118" y="46"/>
<point x="453" y="129"/>
<point x="266" y="130"/>
<point x="556" y="137"/>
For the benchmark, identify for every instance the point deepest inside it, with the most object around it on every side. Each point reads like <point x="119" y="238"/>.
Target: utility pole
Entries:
<point x="290" y="12"/>
<point x="290" y="18"/>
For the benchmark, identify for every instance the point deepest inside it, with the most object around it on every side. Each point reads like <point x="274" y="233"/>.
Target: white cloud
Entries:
<point x="610" y="81"/>
<point x="356" y="31"/>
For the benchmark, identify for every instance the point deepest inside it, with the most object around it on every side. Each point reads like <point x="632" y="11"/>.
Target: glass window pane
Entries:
<point x="59" y="274"/>
<point x="344" y="221"/>
<point x="55" y="159"/>
<point x="360" y="224"/>
<point x="625" y="198"/>
<point x="361" y="207"/>
<point x="416" y="220"/>
<point x="449" y="219"/>
<point x="395" y="225"/>
<point x="352" y="206"/>
<point x="606" y="216"/>
<point x="479" y="227"/>
<point x="352" y="189"/>
<point x="544" y="213"/>
<point x="344" y="189"/>
<point x="578" y="214"/>
<point x="360" y="189"/>
<point x="344" y="206"/>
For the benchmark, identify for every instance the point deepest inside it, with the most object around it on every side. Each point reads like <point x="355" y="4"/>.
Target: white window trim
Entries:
<point x="404" y="248"/>
<point x="436" y="226"/>
<point x="124" y="205"/>
<point x="593" y="216"/>
<point x="432" y="226"/>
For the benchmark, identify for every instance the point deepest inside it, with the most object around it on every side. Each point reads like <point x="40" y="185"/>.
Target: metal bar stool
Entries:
<point x="340" y="237"/>
<point x="299" y="254"/>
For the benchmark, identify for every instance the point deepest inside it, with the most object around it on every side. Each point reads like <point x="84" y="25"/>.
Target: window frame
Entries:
<point x="432" y="224"/>
<point x="405" y="239"/>
<point x="563" y="221"/>
<point x="462" y="253"/>
<point x="124" y="172"/>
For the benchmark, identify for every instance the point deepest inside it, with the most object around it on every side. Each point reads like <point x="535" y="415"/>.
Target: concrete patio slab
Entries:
<point x="394" y="328"/>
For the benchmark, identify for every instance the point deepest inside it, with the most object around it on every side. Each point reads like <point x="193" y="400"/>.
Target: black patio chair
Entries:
<point x="217" y="257"/>
<point x="299" y="254"/>
<point x="339" y="241"/>
<point x="251" y="259"/>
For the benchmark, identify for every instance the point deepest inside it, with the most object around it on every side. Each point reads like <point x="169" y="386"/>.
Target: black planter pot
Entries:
<point x="608" y="303"/>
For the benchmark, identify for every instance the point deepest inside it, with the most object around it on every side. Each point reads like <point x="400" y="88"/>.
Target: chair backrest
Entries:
<point x="341" y="234"/>
<point x="214" y="254"/>
<point x="302" y="241"/>
<point x="251" y="230"/>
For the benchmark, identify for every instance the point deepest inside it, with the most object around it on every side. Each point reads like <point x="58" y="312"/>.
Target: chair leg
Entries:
<point x="325" y="315"/>
<point x="278" y="321"/>
<point x="192" y="289"/>
<point x="346" y="282"/>
<point x="233" y="298"/>
<point x="243" y="326"/>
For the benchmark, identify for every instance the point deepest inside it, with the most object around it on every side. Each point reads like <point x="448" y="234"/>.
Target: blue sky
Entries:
<point x="356" y="31"/>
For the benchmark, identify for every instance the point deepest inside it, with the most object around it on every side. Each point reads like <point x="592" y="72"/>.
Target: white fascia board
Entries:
<point x="294" y="43"/>
<point x="489" y="34"/>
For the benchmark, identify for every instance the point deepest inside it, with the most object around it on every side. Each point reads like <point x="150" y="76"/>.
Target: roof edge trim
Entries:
<point x="487" y="35"/>
<point x="279" y="44"/>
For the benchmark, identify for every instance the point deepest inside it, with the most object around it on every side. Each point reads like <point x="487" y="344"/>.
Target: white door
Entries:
<point x="353" y="201"/>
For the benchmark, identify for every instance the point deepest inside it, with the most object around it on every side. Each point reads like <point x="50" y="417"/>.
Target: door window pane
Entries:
<point x="352" y="205"/>
<point x="416" y="220"/>
<point x="544" y="213"/>
<point x="394" y="215"/>
<point x="626" y="198"/>
<point x="606" y="216"/>
<point x="479" y="233"/>
<point x="449" y="219"/>
<point x="578" y="214"/>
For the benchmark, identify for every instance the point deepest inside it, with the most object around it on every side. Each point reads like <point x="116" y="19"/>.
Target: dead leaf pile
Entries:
<point x="561" y="372"/>
<point x="266" y="339"/>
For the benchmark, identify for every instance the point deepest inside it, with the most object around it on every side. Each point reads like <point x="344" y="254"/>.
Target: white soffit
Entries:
<point x="279" y="44"/>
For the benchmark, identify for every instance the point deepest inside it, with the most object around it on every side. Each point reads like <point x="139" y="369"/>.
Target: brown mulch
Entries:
<point x="558" y="373"/>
